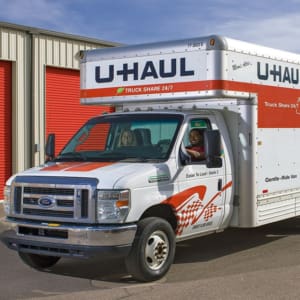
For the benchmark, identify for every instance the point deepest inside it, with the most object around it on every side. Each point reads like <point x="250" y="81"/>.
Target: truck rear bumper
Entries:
<point x="67" y="240"/>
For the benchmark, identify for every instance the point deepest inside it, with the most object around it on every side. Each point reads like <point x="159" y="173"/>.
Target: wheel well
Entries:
<point x="162" y="211"/>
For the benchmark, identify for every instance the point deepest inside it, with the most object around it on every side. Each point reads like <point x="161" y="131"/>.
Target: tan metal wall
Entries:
<point x="31" y="50"/>
<point x="55" y="52"/>
<point x="14" y="46"/>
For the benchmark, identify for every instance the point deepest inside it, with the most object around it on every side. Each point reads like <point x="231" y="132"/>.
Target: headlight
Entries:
<point x="7" y="200"/>
<point x="113" y="205"/>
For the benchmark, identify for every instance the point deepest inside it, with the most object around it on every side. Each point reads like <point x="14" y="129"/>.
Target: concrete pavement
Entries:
<point x="254" y="285"/>
<point x="261" y="263"/>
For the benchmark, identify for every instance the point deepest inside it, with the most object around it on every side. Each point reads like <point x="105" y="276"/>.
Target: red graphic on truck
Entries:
<point x="189" y="206"/>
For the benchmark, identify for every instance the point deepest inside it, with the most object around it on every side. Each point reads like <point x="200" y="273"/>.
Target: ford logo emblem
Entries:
<point x="46" y="202"/>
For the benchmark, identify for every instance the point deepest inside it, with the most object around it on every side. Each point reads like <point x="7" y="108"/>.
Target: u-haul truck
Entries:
<point x="100" y="196"/>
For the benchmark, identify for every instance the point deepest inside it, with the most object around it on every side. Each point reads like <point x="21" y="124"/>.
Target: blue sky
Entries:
<point x="271" y="23"/>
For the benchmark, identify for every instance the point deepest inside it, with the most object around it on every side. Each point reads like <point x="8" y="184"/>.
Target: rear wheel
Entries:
<point x="153" y="250"/>
<point x="37" y="261"/>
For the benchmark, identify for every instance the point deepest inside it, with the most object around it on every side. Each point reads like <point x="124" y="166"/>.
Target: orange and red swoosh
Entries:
<point x="76" y="167"/>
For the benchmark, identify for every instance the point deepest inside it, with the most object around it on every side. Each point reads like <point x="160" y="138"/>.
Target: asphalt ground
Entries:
<point x="258" y="263"/>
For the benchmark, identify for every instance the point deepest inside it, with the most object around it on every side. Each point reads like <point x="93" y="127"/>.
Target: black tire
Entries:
<point x="153" y="250"/>
<point x="37" y="261"/>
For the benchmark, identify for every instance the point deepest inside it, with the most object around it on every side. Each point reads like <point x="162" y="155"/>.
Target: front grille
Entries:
<point x="48" y="191"/>
<point x="54" y="251"/>
<point x="51" y="233"/>
<point x="34" y="201"/>
<point x="55" y="201"/>
<point x="48" y="213"/>
<point x="66" y="203"/>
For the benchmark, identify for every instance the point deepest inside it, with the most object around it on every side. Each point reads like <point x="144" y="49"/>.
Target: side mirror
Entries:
<point x="50" y="147"/>
<point x="213" y="149"/>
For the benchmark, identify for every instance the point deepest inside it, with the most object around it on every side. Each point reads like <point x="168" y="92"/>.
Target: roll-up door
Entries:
<point x="64" y="114"/>
<point x="5" y="123"/>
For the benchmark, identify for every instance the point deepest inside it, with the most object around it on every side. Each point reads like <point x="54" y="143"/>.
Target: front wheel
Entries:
<point x="37" y="261"/>
<point x="153" y="250"/>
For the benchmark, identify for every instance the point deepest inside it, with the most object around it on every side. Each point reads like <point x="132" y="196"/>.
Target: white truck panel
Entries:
<point x="278" y="174"/>
<point x="278" y="159"/>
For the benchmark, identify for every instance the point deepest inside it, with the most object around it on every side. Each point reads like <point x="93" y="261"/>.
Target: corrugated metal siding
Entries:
<point x="49" y="51"/>
<point x="30" y="51"/>
<point x="62" y="53"/>
<point x="96" y="140"/>
<point x="5" y="123"/>
<point x="8" y="49"/>
<point x="15" y="47"/>
<point x="64" y="114"/>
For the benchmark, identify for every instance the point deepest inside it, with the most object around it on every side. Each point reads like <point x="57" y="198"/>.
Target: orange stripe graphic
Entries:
<point x="178" y="200"/>
<point x="85" y="167"/>
<point x="61" y="166"/>
<point x="76" y="167"/>
<point x="189" y="207"/>
<point x="229" y="184"/>
<point x="278" y="107"/>
<point x="152" y="89"/>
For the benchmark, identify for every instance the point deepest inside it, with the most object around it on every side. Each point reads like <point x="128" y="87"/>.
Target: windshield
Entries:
<point x="129" y="137"/>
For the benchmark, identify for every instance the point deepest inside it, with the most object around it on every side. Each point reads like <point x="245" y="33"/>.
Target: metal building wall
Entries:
<point x="14" y="47"/>
<point x="30" y="50"/>
<point x="56" y="52"/>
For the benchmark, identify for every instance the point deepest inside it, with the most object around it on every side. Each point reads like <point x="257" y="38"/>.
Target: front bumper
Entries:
<point x="67" y="239"/>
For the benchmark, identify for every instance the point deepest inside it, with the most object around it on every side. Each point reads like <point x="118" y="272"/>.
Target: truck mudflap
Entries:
<point x="67" y="240"/>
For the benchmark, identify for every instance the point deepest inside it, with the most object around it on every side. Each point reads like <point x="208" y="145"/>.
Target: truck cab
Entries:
<point x="105" y="187"/>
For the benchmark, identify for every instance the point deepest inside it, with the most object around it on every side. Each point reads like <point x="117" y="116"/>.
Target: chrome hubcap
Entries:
<point x="157" y="250"/>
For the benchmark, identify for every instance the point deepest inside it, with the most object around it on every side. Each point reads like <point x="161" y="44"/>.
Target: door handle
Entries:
<point x="220" y="184"/>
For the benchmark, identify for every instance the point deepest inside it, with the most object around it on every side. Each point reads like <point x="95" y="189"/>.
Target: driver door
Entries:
<point x="201" y="205"/>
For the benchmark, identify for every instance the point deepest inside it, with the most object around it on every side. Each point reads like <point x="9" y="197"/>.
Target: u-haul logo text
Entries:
<point x="277" y="73"/>
<point x="140" y="71"/>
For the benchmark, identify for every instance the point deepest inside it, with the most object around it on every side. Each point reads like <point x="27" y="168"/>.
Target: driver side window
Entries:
<point x="194" y="139"/>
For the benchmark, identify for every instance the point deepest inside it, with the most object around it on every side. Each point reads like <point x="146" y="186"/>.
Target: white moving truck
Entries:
<point x="100" y="196"/>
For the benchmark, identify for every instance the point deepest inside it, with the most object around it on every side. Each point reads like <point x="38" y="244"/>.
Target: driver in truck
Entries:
<point x="196" y="147"/>
<point x="127" y="138"/>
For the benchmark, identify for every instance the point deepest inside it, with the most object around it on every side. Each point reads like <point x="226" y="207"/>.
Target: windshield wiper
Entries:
<point x="76" y="156"/>
<point x="138" y="159"/>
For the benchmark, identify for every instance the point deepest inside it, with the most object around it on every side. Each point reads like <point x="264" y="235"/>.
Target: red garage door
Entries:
<point x="64" y="114"/>
<point x="5" y="124"/>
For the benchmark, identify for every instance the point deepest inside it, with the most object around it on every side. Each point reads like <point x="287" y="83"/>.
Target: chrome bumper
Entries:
<point x="65" y="240"/>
